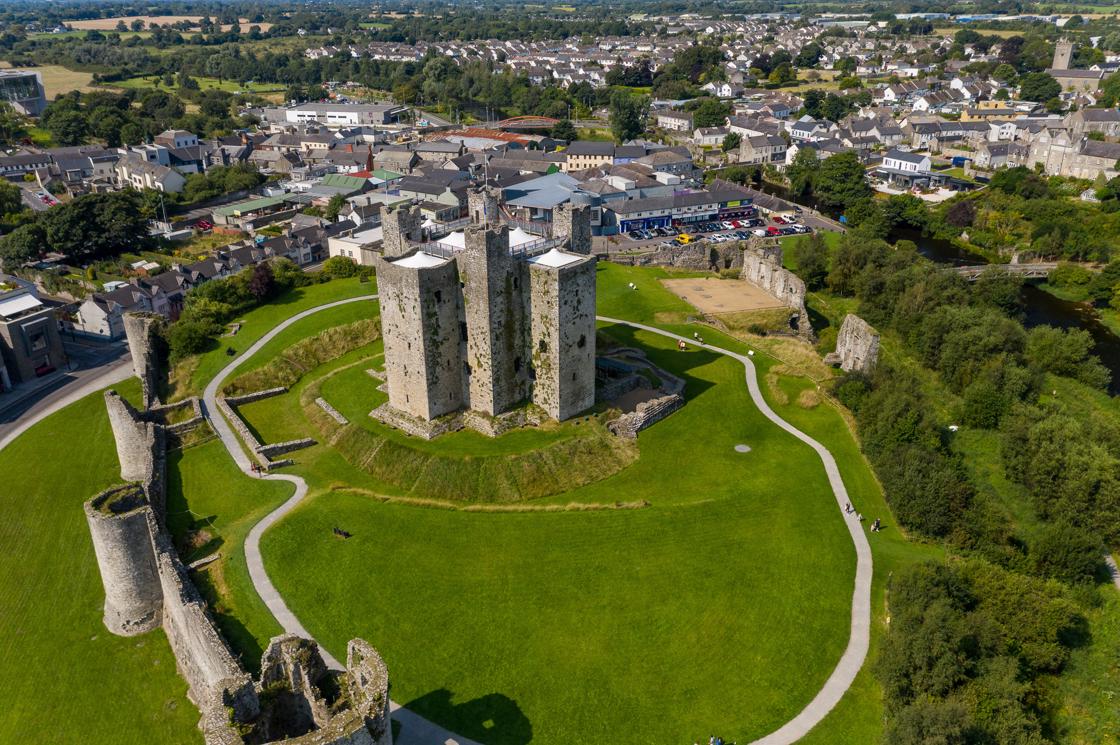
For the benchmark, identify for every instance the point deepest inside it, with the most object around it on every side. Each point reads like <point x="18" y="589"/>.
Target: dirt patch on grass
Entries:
<point x="717" y="296"/>
<point x="809" y="399"/>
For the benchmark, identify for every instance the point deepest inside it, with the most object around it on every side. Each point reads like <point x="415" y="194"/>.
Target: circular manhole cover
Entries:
<point x="742" y="448"/>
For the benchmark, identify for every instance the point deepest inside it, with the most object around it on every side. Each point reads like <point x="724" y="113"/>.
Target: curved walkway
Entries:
<point x="418" y="731"/>
<point x="415" y="730"/>
<point x="860" y="638"/>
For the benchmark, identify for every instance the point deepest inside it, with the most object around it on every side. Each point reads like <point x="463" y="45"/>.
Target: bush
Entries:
<point x="187" y="337"/>
<point x="1066" y="553"/>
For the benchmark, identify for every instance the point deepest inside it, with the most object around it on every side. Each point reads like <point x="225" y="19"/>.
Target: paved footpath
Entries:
<point x="860" y="638"/>
<point x="416" y="730"/>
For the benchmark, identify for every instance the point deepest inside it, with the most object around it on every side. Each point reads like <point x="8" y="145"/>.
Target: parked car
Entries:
<point x="204" y="225"/>
<point x="773" y="231"/>
<point x="761" y="232"/>
<point x="801" y="229"/>
<point x="634" y="235"/>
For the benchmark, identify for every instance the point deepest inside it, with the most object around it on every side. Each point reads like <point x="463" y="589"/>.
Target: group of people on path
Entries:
<point x="876" y="526"/>
<point x="713" y="740"/>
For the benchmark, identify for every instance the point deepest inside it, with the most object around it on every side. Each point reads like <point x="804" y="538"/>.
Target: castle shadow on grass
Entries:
<point x="494" y="719"/>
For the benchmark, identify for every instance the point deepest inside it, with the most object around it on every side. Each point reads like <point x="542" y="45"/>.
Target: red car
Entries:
<point x="204" y="225"/>
<point x="773" y="231"/>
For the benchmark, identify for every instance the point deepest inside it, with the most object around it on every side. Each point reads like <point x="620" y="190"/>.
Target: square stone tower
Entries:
<point x="399" y="225"/>
<point x="562" y="307"/>
<point x="573" y="222"/>
<point x="420" y="319"/>
<point x="1063" y="55"/>
<point x="495" y="307"/>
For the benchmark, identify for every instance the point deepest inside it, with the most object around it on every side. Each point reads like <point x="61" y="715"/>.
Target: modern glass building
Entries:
<point x="23" y="89"/>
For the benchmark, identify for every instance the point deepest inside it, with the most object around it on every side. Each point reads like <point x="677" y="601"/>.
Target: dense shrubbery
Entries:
<point x="212" y="305"/>
<point x="967" y="645"/>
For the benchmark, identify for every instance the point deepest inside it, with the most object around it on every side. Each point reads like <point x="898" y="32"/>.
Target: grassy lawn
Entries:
<point x="209" y="497"/>
<point x="192" y="375"/>
<point x="738" y="575"/>
<point x="58" y="663"/>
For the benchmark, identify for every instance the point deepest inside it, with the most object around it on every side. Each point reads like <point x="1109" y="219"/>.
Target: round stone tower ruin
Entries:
<point x="482" y="206"/>
<point x="140" y="330"/>
<point x="122" y="541"/>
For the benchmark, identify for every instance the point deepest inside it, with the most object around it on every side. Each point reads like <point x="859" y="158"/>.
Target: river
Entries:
<point x="1041" y="308"/>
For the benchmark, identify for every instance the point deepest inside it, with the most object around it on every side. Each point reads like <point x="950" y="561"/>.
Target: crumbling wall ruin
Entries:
<point x="140" y="330"/>
<point x="701" y="256"/>
<point x="857" y="346"/>
<point x="762" y="267"/>
<point x="147" y="585"/>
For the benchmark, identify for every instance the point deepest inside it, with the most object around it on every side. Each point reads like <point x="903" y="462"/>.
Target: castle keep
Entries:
<point x="489" y="326"/>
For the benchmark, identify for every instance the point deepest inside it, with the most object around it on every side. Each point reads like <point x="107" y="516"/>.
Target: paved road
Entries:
<point x="70" y="388"/>
<point x="415" y="730"/>
<point x="860" y="637"/>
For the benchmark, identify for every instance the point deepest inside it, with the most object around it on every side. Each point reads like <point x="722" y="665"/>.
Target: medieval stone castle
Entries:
<point x="297" y="699"/>
<point x="472" y="334"/>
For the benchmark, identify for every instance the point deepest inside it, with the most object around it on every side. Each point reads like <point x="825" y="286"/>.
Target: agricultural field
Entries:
<point x="57" y="79"/>
<point x="110" y="24"/>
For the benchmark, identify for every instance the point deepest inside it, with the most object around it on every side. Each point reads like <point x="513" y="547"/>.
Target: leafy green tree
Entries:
<point x="68" y="128"/>
<point x="1066" y="553"/>
<point x="802" y="172"/>
<point x="13" y="126"/>
<point x="334" y="206"/>
<point x="711" y="112"/>
<point x="628" y="115"/>
<point x="731" y="142"/>
<point x="564" y="130"/>
<point x="840" y="181"/>
<point x="811" y="255"/>
<point x="1039" y="86"/>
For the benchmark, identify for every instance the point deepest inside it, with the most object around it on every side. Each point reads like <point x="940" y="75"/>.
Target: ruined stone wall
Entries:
<point x="646" y="414"/>
<point x="400" y="225"/>
<point x="214" y="676"/>
<point x="141" y="448"/>
<point x="762" y="266"/>
<point x="857" y="346"/>
<point x="573" y="222"/>
<point x="140" y="330"/>
<point x="562" y="310"/>
<point x="119" y="526"/>
<point x="495" y="307"/>
<point x="701" y="256"/>
<point x="421" y="311"/>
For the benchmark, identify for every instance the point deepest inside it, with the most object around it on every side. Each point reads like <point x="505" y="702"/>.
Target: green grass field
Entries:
<point x="484" y="651"/>
<point x="720" y="607"/>
<point x="191" y="376"/>
<point x="738" y="575"/>
<point x="63" y="676"/>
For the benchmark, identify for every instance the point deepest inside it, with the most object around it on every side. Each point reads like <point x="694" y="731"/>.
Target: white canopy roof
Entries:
<point x="18" y="304"/>
<point x="555" y="258"/>
<point x="419" y="260"/>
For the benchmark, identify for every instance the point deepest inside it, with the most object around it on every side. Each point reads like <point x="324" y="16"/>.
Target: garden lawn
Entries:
<point x="63" y="676"/>
<point x="723" y="606"/>
<point x="206" y="492"/>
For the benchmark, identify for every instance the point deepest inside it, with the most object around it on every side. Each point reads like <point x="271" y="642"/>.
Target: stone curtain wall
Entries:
<point x="762" y="267"/>
<point x="140" y="330"/>
<point x="857" y="346"/>
<point x="700" y="256"/>
<point x="146" y="584"/>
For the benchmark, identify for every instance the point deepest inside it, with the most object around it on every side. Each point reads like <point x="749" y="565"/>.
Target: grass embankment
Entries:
<point x="60" y="669"/>
<point x="191" y="375"/>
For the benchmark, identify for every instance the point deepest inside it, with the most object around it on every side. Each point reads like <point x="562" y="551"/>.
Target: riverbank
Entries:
<point x="1109" y="317"/>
